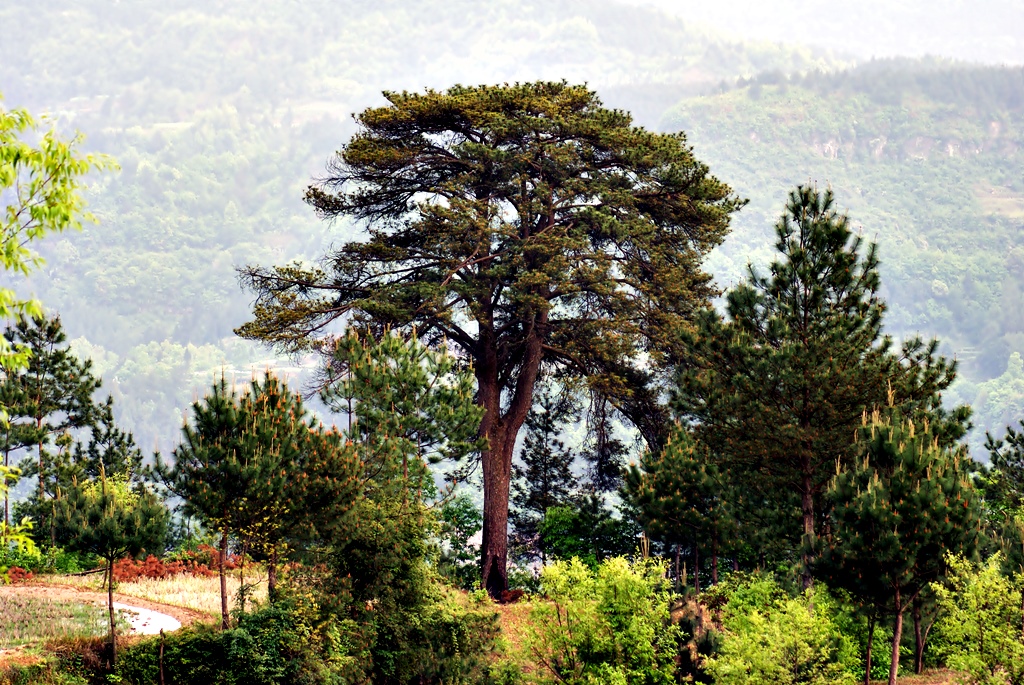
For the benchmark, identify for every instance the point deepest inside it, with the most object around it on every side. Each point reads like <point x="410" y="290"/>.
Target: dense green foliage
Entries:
<point x="111" y="520"/>
<point x="258" y="467"/>
<point x="528" y="226"/>
<point x="980" y="630"/>
<point x="682" y="499"/>
<point x="777" y="386"/>
<point x="497" y="239"/>
<point x="770" y="637"/>
<point x="609" y="625"/>
<point x="902" y="505"/>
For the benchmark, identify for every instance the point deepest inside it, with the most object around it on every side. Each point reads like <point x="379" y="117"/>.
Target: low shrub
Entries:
<point x="51" y="560"/>
<point x="609" y="625"/>
<point x="979" y="630"/>
<point x="282" y="643"/>
<point x="203" y="561"/>
<point x="771" y="638"/>
<point x="14" y="574"/>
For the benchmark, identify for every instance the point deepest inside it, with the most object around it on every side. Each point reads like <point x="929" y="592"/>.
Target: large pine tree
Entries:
<point x="779" y="385"/>
<point x="528" y="227"/>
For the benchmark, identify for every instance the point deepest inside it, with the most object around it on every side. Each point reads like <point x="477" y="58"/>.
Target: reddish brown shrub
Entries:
<point x="17" y="574"/>
<point x="203" y="562"/>
<point x="511" y="596"/>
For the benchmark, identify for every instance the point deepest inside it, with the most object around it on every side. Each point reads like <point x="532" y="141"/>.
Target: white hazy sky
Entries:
<point x="990" y="31"/>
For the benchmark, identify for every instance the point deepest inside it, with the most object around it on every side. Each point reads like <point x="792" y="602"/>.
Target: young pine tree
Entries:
<point x="681" y="498"/>
<point x="111" y="519"/>
<point x="543" y="477"/>
<point x="407" y="406"/>
<point x="259" y="468"/>
<point x="49" y="397"/>
<point x="897" y="511"/>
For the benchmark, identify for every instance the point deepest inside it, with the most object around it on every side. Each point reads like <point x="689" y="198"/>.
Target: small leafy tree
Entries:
<point x="458" y="521"/>
<point x="980" y="628"/>
<point x="586" y="529"/>
<point x="17" y="536"/>
<point x="110" y="519"/>
<point x="1005" y="495"/>
<point x="605" y="625"/>
<point x="771" y="638"/>
<point x="40" y="183"/>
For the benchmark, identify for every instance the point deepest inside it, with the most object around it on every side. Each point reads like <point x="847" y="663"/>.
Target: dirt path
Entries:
<point x="150" y="616"/>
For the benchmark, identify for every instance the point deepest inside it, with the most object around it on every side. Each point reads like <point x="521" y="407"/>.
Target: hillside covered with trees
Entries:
<point x="924" y="154"/>
<point x="506" y="344"/>
<point x="220" y="114"/>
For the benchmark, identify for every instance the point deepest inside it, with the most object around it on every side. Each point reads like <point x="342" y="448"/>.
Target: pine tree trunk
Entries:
<point x="223" y="580"/>
<point x="497" y="475"/>
<point x="807" y="508"/>
<point x="110" y="610"/>
<point x="272" y="575"/>
<point x="696" y="568"/>
<point x="918" y="637"/>
<point x="678" y="577"/>
<point x="7" y="505"/>
<point x="496" y="461"/>
<point x="714" y="559"/>
<point x="867" y="655"/>
<point x="897" y="637"/>
<point x="241" y="578"/>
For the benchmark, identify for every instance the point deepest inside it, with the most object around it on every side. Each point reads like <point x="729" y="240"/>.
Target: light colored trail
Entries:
<point x="146" y="621"/>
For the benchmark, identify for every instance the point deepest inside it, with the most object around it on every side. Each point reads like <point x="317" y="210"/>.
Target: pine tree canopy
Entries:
<point x="527" y="226"/>
<point x="779" y="385"/>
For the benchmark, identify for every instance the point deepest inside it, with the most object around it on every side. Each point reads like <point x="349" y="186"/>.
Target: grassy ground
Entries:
<point x="191" y="592"/>
<point x="33" y="619"/>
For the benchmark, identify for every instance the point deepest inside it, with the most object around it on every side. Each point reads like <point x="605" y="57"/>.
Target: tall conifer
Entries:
<point x="50" y="397"/>
<point x="778" y="386"/>
<point x="525" y="225"/>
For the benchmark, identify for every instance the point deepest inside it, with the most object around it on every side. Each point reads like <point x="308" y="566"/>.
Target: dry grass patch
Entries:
<point x="197" y="593"/>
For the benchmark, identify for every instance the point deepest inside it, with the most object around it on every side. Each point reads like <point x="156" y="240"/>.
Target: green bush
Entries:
<point x="283" y="643"/>
<point x="50" y="560"/>
<point x="771" y="638"/>
<point x="609" y="625"/>
<point x="979" y="630"/>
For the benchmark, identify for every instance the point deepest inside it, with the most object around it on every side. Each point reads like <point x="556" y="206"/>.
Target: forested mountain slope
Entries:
<point x="220" y="112"/>
<point x="927" y="156"/>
